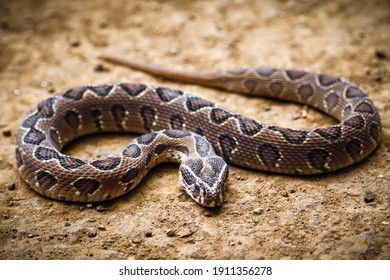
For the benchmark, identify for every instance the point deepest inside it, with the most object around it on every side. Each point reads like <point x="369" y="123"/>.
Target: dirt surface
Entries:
<point x="49" y="46"/>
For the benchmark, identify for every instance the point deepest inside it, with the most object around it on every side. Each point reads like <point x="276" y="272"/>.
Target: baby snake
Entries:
<point x="186" y="129"/>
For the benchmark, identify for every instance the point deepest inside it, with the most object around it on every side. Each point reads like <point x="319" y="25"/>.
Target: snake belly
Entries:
<point x="193" y="131"/>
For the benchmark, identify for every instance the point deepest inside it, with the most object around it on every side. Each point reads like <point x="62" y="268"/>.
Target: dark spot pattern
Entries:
<point x="46" y="180"/>
<point x="177" y="133"/>
<point x="73" y="119"/>
<point x="129" y="177"/>
<point x="327" y="80"/>
<point x="295" y="74"/>
<point x="248" y="126"/>
<point x="364" y="107"/>
<point x="75" y="93"/>
<point x="132" y="151"/>
<point x="119" y="114"/>
<point x="34" y="136"/>
<point x="101" y="90"/>
<point x="265" y="71"/>
<point x="375" y="132"/>
<point x="353" y="148"/>
<point x="227" y="144"/>
<point x="276" y="87"/>
<point x="199" y="131"/>
<point x="45" y="107"/>
<point x="269" y="154"/>
<point x="146" y="139"/>
<point x="355" y="122"/>
<point x="86" y="186"/>
<point x="331" y="133"/>
<point x="97" y="116"/>
<point x="331" y="100"/>
<point x="70" y="163"/>
<point x="250" y="84"/>
<point x="43" y="153"/>
<point x="293" y="136"/>
<point x="30" y="121"/>
<point x="202" y="146"/>
<point x="168" y="94"/>
<point x="54" y="137"/>
<point x="18" y="157"/>
<point x="106" y="164"/>
<point x="195" y="103"/>
<point x="318" y="158"/>
<point x="148" y="115"/>
<point x="219" y="116"/>
<point x="354" y="92"/>
<point x="305" y="91"/>
<point x="159" y="149"/>
<point x="132" y="89"/>
<point x="189" y="180"/>
<point x="176" y="122"/>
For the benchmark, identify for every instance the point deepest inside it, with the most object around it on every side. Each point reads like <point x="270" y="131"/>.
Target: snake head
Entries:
<point x="204" y="179"/>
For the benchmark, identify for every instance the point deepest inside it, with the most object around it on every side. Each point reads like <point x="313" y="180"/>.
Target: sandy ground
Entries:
<point x="48" y="46"/>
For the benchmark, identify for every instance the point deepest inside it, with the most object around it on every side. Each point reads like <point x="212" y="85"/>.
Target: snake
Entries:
<point x="196" y="133"/>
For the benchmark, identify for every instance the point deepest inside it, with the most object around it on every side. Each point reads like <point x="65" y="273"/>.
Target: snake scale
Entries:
<point x="192" y="131"/>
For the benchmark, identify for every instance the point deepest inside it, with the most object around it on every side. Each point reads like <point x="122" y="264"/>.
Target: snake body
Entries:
<point x="197" y="133"/>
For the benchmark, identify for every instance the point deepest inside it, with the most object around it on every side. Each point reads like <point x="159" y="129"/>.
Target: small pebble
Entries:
<point x="258" y="211"/>
<point x="91" y="232"/>
<point x="89" y="205"/>
<point x="378" y="77"/>
<point x="101" y="208"/>
<point x="148" y="234"/>
<point x="67" y="224"/>
<point x="369" y="196"/>
<point x="101" y="227"/>
<point x="75" y="43"/>
<point x="171" y="233"/>
<point x="91" y="220"/>
<point x="136" y="240"/>
<point x="100" y="68"/>
<point x="11" y="186"/>
<point x="7" y="133"/>
<point x="103" y="23"/>
<point x="380" y="54"/>
<point x="285" y="194"/>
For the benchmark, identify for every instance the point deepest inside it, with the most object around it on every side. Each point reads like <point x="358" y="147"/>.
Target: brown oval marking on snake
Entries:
<point x="107" y="164"/>
<point x="75" y="93"/>
<point x="177" y="133"/>
<point x="293" y="136"/>
<point x="219" y="116"/>
<point x="195" y="103"/>
<point x="97" y="116"/>
<point x="251" y="84"/>
<point x="318" y="159"/>
<point x="160" y="148"/>
<point x="86" y="186"/>
<point x="168" y="94"/>
<point x="248" y="126"/>
<point x="269" y="154"/>
<point x="132" y="151"/>
<point x="364" y="107"/>
<point x="202" y="146"/>
<point x="34" y="136"/>
<point x="355" y="122"/>
<point x="146" y="139"/>
<point x="101" y="90"/>
<point x="296" y="74"/>
<point x="73" y="119"/>
<point x="119" y="114"/>
<point x="354" y="92"/>
<point x="331" y="100"/>
<point x="70" y="163"/>
<point x="148" y="115"/>
<point x="227" y="145"/>
<point x="133" y="89"/>
<point x="55" y="137"/>
<point x="306" y="91"/>
<point x="46" y="180"/>
<point x="44" y="153"/>
<point x="176" y="122"/>
<point x="354" y="148"/>
<point x="129" y="178"/>
<point x="265" y="71"/>
<point x="326" y="80"/>
<point x="331" y="133"/>
<point x="45" y="108"/>
<point x="276" y="88"/>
